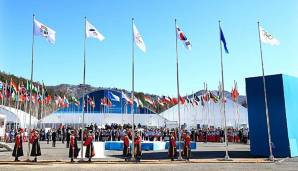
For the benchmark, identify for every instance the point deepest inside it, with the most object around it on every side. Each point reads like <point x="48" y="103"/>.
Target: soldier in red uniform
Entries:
<point x="172" y="146"/>
<point x="187" y="147"/>
<point x="126" y="147"/>
<point x="138" y="147"/>
<point x="35" y="151"/>
<point x="73" y="148"/>
<point x="18" y="146"/>
<point x="89" y="146"/>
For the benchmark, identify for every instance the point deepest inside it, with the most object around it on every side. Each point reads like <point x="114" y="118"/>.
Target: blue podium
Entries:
<point x="282" y="95"/>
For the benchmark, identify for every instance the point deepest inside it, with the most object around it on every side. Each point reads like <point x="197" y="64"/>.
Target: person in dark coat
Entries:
<point x="48" y="136"/>
<point x="172" y="146"/>
<point x="89" y="146"/>
<point x="18" y="146"/>
<point x="35" y="151"/>
<point x="54" y="138"/>
<point x="67" y="137"/>
<point x="73" y="147"/>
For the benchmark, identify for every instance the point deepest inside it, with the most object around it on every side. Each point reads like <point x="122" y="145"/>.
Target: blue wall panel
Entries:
<point x="291" y="95"/>
<point x="257" y="116"/>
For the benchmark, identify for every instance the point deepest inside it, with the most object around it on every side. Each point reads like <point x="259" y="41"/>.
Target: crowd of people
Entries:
<point x="115" y="132"/>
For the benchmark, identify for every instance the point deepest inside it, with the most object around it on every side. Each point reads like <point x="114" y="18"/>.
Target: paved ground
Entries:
<point x="204" y="158"/>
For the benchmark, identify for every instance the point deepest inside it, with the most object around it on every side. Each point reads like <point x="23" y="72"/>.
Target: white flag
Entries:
<point x="267" y="37"/>
<point x="138" y="38"/>
<point x="91" y="31"/>
<point x="44" y="31"/>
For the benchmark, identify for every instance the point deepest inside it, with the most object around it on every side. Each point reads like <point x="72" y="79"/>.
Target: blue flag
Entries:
<point x="222" y="38"/>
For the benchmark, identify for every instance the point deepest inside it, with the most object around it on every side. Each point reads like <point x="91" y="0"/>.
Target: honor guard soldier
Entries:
<point x="35" y="151"/>
<point x="187" y="147"/>
<point x="126" y="147"/>
<point x="172" y="146"/>
<point x="18" y="146"/>
<point x="73" y="147"/>
<point x="138" y="147"/>
<point x="89" y="146"/>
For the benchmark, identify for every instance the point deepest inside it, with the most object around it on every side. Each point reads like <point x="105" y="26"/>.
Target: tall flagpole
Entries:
<point x="178" y="94"/>
<point x="83" y="102"/>
<point x="31" y="83"/>
<point x="271" y="157"/>
<point x="132" y="92"/>
<point x="223" y="97"/>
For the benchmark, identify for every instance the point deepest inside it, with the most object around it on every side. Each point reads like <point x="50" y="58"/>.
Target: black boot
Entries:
<point x="16" y="159"/>
<point x="89" y="160"/>
<point x="35" y="159"/>
<point x="71" y="160"/>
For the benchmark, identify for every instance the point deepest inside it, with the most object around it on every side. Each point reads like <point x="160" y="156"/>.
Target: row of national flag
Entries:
<point x="10" y="90"/>
<point x="20" y="92"/>
<point x="91" y="31"/>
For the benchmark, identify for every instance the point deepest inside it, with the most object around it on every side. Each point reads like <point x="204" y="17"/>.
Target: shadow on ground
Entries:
<point x="195" y="155"/>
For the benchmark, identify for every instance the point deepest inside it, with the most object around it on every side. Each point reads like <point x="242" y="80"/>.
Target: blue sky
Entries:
<point x="109" y="62"/>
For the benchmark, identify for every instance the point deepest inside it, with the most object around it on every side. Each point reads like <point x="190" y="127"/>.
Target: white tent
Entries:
<point x="102" y="119"/>
<point x="210" y="114"/>
<point x="17" y="116"/>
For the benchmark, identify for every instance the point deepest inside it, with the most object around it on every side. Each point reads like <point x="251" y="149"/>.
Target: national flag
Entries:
<point x="196" y="98"/>
<point x="206" y="97"/>
<point x="174" y="101"/>
<point x="124" y="96"/>
<point x="92" y="103"/>
<point x="91" y="31"/>
<point x="109" y="103"/>
<point x="234" y="93"/>
<point x="213" y="97"/>
<point x="49" y="98"/>
<point x="140" y="103"/>
<point x="181" y="36"/>
<point x="44" y="31"/>
<point x="187" y="100"/>
<point x="58" y="99"/>
<point x="223" y="40"/>
<point x="136" y="100"/>
<point x="1" y="85"/>
<point x="75" y="100"/>
<point x="23" y="89"/>
<point x="65" y="102"/>
<point x="138" y="38"/>
<point x="102" y="101"/>
<point x="195" y="102"/>
<point x="181" y="100"/>
<point x="113" y="97"/>
<point x="202" y="101"/>
<point x="160" y="102"/>
<point x="148" y="100"/>
<point x="14" y="85"/>
<point x="267" y="37"/>
<point x="167" y="100"/>
<point x="27" y="86"/>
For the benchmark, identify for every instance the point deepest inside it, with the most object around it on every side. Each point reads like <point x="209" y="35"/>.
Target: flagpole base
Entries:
<point x="271" y="158"/>
<point x="226" y="158"/>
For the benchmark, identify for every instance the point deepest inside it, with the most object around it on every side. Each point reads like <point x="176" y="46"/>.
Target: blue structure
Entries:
<point x="117" y="106"/>
<point x="282" y="93"/>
